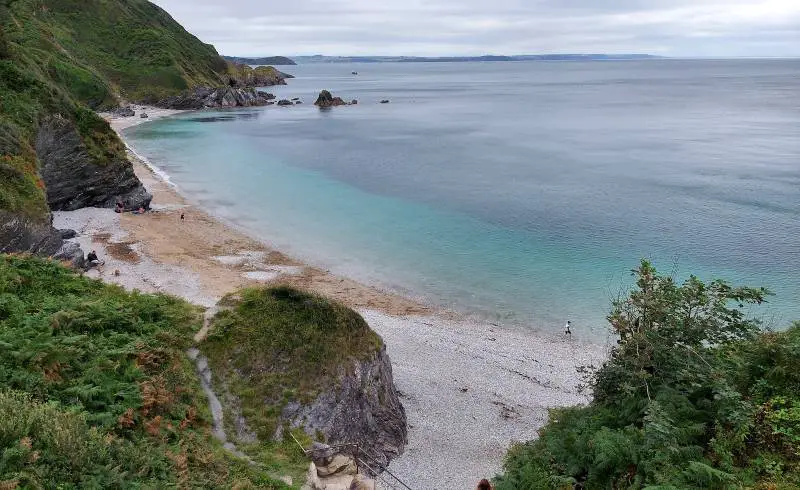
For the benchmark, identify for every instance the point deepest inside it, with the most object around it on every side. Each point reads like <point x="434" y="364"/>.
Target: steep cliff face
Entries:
<point x="285" y="360"/>
<point x="19" y="233"/>
<point x="360" y="405"/>
<point x="74" y="181"/>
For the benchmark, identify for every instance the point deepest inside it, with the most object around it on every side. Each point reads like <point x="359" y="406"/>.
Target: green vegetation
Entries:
<point x="61" y="57"/>
<point x="695" y="395"/>
<point x="97" y="391"/>
<point x="277" y="345"/>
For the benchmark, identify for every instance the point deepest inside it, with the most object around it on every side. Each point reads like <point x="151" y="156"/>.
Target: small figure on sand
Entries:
<point x="568" y="328"/>
<point x="484" y="485"/>
<point x="183" y="217"/>
<point x="92" y="260"/>
<point x="141" y="210"/>
<point x="119" y="208"/>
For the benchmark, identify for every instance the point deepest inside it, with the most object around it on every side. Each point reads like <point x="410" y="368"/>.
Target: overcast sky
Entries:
<point x="475" y="27"/>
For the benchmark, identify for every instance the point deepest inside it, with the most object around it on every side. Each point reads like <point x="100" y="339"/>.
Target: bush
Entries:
<point x="693" y="396"/>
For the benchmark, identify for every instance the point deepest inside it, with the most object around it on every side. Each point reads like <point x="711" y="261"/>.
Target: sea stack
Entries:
<point x="325" y="100"/>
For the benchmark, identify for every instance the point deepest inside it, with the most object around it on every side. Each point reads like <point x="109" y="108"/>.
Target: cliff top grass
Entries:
<point x="61" y="57"/>
<point x="276" y="345"/>
<point x="96" y="391"/>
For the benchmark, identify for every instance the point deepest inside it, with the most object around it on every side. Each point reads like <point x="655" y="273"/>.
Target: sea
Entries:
<point x="520" y="192"/>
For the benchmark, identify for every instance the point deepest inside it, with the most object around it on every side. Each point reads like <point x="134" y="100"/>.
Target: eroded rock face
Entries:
<point x="74" y="181"/>
<point x="362" y="407"/>
<point x="205" y="97"/>
<point x="20" y="234"/>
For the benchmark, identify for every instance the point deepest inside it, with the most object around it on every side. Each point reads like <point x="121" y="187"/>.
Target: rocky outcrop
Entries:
<point x="240" y="75"/>
<point x="124" y="111"/>
<point x="326" y="99"/>
<point x="361" y="407"/>
<point x="331" y="469"/>
<point x="285" y="102"/>
<point x="21" y="234"/>
<point x="204" y="97"/>
<point x="73" y="180"/>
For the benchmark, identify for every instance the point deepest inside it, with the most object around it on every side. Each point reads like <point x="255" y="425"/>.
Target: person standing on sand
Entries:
<point x="568" y="329"/>
<point x="182" y="217"/>
<point x="484" y="485"/>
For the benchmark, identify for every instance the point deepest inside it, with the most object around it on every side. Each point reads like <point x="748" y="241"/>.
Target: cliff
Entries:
<point x="62" y="60"/>
<point x="287" y="361"/>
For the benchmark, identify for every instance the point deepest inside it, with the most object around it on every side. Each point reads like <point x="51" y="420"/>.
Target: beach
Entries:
<point x="469" y="387"/>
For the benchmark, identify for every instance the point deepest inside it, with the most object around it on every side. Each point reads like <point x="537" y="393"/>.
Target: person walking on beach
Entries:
<point x="568" y="329"/>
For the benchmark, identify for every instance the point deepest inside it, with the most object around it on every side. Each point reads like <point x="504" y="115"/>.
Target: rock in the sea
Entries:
<point x="385" y="101"/>
<point x="299" y="102"/>
<point x="325" y="99"/>
<point x="354" y="102"/>
<point x="75" y="179"/>
<point x="267" y="95"/>
<point x="295" y="99"/>
<point x="125" y="111"/>
<point x="284" y="102"/>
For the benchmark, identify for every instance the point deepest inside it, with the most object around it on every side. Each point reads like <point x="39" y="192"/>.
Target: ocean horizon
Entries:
<point x="523" y="192"/>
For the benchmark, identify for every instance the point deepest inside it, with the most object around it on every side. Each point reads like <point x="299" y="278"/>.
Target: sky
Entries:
<point x="690" y="28"/>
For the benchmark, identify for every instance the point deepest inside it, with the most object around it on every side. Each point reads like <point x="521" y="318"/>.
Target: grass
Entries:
<point x="60" y="57"/>
<point x="97" y="391"/>
<point x="276" y="345"/>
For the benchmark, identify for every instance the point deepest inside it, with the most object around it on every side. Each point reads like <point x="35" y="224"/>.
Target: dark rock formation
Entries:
<point x="144" y="115"/>
<point x="242" y="76"/>
<point x="284" y="102"/>
<point x="20" y="234"/>
<point x="325" y="99"/>
<point x="126" y="111"/>
<point x="354" y="102"/>
<point x="385" y="101"/>
<point x="362" y="407"/>
<point x="67" y="234"/>
<point x="73" y="180"/>
<point x="267" y="95"/>
<point x="203" y="97"/>
<point x="295" y="99"/>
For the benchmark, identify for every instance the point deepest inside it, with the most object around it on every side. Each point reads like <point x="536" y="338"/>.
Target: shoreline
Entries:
<point x="470" y="387"/>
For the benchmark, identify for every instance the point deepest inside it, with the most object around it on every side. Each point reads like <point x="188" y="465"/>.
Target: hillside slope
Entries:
<point x="60" y="61"/>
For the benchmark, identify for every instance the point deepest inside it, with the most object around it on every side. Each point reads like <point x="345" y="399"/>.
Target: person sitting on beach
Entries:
<point x="92" y="260"/>
<point x="568" y="329"/>
<point x="484" y="485"/>
<point x="119" y="207"/>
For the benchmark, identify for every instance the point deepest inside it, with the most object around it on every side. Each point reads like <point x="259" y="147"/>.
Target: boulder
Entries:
<point x="360" y="482"/>
<point x="385" y="101"/>
<point x="284" y="102"/>
<point x="354" y="102"/>
<point x="126" y="111"/>
<point x="326" y="99"/>
<point x="144" y="115"/>
<point x="21" y="234"/>
<point x="67" y="234"/>
<point x="295" y="99"/>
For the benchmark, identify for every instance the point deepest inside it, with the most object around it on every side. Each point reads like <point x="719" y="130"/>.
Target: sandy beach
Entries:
<point x="469" y="387"/>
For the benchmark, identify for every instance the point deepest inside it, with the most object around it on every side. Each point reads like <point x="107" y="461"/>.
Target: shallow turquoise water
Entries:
<point x="521" y="191"/>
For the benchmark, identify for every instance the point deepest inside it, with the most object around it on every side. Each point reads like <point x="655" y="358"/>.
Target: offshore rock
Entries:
<point x="285" y="102"/>
<point x="361" y="407"/>
<point x="74" y="180"/>
<point x="325" y="100"/>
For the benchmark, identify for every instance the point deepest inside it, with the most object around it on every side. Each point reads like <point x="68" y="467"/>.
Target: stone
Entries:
<point x="67" y="234"/>
<point x="360" y="482"/>
<point x="354" y="102"/>
<point x="74" y="180"/>
<point x="340" y="464"/>
<point x="295" y="99"/>
<point x="144" y="115"/>
<point x="284" y="102"/>
<point x="21" y="234"/>
<point x="125" y="111"/>
<point x="325" y="100"/>
<point x="385" y="101"/>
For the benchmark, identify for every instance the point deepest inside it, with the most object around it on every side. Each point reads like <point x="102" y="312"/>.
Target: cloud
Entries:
<point x="474" y="27"/>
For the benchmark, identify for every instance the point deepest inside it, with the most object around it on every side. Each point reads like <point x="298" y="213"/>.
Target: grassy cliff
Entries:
<point x="96" y="391"/>
<point x="67" y="58"/>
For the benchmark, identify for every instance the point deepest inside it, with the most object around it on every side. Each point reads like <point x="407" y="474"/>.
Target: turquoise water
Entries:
<point x="521" y="191"/>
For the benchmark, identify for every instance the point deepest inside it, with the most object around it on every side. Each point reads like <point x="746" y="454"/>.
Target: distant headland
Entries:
<point x="282" y="60"/>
